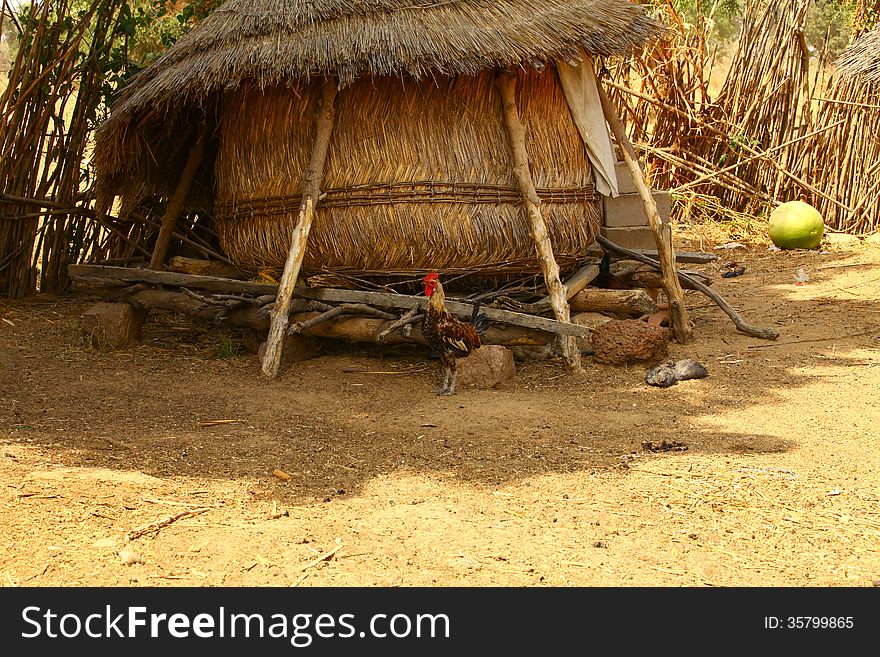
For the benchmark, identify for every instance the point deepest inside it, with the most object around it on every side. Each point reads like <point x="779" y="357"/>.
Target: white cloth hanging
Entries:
<point x="579" y="85"/>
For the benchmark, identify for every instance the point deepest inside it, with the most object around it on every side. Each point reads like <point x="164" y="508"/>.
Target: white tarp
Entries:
<point x="579" y="85"/>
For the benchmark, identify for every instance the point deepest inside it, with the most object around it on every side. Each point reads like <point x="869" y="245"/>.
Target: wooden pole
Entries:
<point x="681" y="326"/>
<point x="175" y="203"/>
<point x="506" y="84"/>
<point x="311" y="191"/>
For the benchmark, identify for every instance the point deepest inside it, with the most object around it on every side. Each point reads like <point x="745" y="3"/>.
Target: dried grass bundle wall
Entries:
<point x="765" y="98"/>
<point x="418" y="176"/>
<point x="47" y="111"/>
<point x="743" y="151"/>
<point x="846" y="159"/>
<point x="665" y="100"/>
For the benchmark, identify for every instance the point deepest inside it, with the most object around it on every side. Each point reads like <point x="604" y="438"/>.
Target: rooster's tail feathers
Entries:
<point x="479" y="320"/>
<point x="481" y="324"/>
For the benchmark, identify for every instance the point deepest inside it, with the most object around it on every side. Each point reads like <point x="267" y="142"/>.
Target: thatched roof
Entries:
<point x="277" y="41"/>
<point x="862" y="58"/>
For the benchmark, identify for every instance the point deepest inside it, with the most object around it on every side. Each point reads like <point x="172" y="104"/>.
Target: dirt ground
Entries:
<point x="552" y="479"/>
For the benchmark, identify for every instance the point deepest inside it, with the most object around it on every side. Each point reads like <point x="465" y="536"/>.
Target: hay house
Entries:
<point x="418" y="172"/>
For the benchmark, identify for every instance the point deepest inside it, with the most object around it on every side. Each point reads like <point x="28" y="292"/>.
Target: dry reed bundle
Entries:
<point x="46" y="110"/>
<point x="426" y="184"/>
<point x="846" y="160"/>
<point x="745" y="146"/>
<point x="862" y="58"/>
<point x="765" y="98"/>
<point x="663" y="94"/>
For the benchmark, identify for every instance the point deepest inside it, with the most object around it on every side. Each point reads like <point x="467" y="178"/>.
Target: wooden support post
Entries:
<point x="506" y="84"/>
<point x="311" y="191"/>
<point x="681" y="326"/>
<point x="175" y="203"/>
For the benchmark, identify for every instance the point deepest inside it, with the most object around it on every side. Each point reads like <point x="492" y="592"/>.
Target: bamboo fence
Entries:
<point x="48" y="109"/>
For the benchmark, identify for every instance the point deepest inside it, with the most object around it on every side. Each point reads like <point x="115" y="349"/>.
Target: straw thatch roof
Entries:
<point x="275" y="41"/>
<point x="280" y="41"/>
<point x="862" y="58"/>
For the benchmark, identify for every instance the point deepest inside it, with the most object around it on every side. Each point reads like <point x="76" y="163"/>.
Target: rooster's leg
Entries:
<point x="444" y="390"/>
<point x="454" y="377"/>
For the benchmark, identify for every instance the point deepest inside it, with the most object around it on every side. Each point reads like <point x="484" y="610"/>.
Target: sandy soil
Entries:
<point x="549" y="479"/>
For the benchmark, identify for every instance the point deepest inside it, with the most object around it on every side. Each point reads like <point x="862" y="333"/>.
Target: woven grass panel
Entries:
<point x="417" y="177"/>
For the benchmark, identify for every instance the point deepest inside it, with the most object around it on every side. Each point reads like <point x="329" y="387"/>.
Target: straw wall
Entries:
<point x="845" y="160"/>
<point x="417" y="177"/>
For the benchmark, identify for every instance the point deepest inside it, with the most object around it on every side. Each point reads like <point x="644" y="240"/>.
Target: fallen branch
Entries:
<point x="845" y="336"/>
<point x="108" y="275"/>
<point x="229" y="302"/>
<point x="321" y="557"/>
<point x="741" y="325"/>
<point x="159" y="524"/>
<point x="411" y="316"/>
<point x="344" y="309"/>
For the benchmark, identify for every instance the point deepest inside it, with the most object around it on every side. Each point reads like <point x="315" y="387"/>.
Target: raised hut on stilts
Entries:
<point x="377" y="138"/>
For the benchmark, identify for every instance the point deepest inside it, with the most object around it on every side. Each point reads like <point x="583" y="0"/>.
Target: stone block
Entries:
<point x="625" y="184"/>
<point x="590" y="320"/>
<point x="486" y="367"/>
<point x="111" y="326"/>
<point x="625" y="341"/>
<point x="627" y="209"/>
<point x="639" y="238"/>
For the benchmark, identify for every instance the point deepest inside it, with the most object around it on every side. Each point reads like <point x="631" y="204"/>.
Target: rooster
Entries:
<point x="450" y="338"/>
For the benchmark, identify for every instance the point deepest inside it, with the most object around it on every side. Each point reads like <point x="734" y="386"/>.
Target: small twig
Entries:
<point x="159" y="524"/>
<point x="226" y="301"/>
<point x="322" y="557"/>
<point x="354" y="370"/>
<point x="739" y="322"/>
<point x="410" y="317"/>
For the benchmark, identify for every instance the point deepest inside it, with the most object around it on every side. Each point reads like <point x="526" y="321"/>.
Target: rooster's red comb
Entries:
<point x="433" y="276"/>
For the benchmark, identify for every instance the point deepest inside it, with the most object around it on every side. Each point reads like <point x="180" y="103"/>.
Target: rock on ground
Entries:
<point x="113" y="325"/>
<point x="590" y="320"/>
<point x="619" y="342"/>
<point x="486" y="367"/>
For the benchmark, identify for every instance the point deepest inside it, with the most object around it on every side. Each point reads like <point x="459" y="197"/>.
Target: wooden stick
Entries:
<point x="411" y="316"/>
<point x="344" y="309"/>
<point x="175" y="203"/>
<point x="739" y="322"/>
<point x="681" y="327"/>
<point x="159" y="524"/>
<point x="311" y="193"/>
<point x="506" y="84"/>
